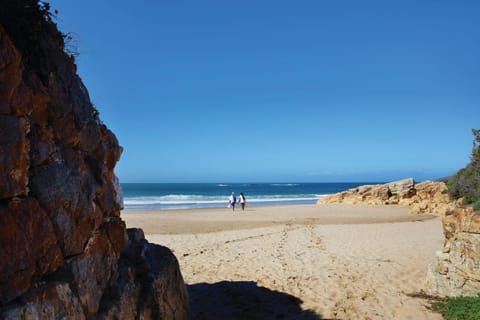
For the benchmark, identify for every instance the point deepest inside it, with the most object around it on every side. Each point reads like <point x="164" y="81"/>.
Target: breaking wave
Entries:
<point x="202" y="201"/>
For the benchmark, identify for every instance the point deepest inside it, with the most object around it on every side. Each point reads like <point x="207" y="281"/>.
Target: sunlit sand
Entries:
<point x="305" y="261"/>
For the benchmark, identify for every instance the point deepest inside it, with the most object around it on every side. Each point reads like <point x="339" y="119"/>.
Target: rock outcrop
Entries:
<point x="424" y="197"/>
<point x="66" y="253"/>
<point x="456" y="270"/>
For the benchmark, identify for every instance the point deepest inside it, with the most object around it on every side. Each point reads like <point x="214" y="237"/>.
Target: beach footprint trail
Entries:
<point x="308" y="271"/>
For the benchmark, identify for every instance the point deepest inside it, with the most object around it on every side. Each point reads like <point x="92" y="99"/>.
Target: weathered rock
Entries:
<point x="29" y="247"/>
<point x="11" y="75"/>
<point x="401" y="187"/>
<point x="424" y="197"/>
<point x="456" y="270"/>
<point x="14" y="156"/>
<point x="94" y="269"/>
<point x="64" y="251"/>
<point x="52" y="301"/>
<point x="431" y="197"/>
<point x="148" y="273"/>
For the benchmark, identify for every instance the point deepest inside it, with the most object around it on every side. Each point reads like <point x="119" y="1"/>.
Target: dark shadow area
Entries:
<point x="244" y="300"/>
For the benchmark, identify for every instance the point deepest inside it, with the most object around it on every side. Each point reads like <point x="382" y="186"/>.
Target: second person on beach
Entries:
<point x="242" y="200"/>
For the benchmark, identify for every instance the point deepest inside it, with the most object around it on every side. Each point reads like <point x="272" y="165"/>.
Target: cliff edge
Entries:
<point x="66" y="253"/>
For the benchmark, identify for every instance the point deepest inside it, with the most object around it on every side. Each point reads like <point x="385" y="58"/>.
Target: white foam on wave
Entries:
<point x="174" y="199"/>
<point x="285" y="184"/>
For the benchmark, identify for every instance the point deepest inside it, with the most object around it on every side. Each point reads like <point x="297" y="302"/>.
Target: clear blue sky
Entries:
<point x="233" y="91"/>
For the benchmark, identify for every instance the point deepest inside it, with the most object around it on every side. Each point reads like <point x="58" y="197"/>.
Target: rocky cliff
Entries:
<point x="66" y="253"/>
<point x="424" y="197"/>
<point x="456" y="270"/>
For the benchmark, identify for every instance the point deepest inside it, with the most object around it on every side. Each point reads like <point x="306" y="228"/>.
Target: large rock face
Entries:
<point x="65" y="251"/>
<point x="424" y="197"/>
<point x="456" y="270"/>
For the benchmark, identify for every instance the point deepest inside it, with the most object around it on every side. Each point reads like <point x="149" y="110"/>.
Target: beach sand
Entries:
<point x="331" y="261"/>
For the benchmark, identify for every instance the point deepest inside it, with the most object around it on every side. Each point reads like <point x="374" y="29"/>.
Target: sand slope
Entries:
<point x="300" y="262"/>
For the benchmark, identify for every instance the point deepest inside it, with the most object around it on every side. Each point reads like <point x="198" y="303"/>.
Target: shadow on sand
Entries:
<point x="244" y="300"/>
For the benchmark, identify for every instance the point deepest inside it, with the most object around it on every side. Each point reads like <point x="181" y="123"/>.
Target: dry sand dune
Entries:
<point x="299" y="262"/>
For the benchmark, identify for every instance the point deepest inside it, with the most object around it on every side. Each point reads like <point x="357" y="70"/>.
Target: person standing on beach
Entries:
<point x="242" y="200"/>
<point x="232" y="201"/>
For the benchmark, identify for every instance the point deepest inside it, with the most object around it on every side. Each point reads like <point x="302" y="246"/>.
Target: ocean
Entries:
<point x="168" y="196"/>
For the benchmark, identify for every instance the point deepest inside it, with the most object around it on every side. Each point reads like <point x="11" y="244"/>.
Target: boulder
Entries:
<point x="49" y="301"/>
<point x="149" y="273"/>
<point x="401" y="187"/>
<point x="424" y="197"/>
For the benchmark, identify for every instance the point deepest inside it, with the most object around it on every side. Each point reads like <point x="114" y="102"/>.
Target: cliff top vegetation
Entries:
<point x="466" y="182"/>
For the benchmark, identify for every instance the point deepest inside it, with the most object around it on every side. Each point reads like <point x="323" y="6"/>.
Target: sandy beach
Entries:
<point x="299" y="262"/>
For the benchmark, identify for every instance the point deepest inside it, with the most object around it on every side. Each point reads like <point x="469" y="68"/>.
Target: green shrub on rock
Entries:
<point x="476" y="205"/>
<point x="466" y="182"/>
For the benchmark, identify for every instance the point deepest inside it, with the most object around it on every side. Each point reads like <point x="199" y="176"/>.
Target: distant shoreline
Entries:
<point x="166" y="196"/>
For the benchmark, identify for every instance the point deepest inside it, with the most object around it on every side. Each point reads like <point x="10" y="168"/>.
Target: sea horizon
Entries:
<point x="194" y="195"/>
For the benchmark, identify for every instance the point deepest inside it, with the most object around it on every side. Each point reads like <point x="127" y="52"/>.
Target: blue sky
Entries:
<point x="280" y="91"/>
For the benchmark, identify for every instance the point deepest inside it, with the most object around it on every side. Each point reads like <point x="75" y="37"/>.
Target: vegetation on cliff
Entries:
<point x="466" y="182"/>
<point x="29" y="23"/>
<point x="31" y="26"/>
<point x="457" y="264"/>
